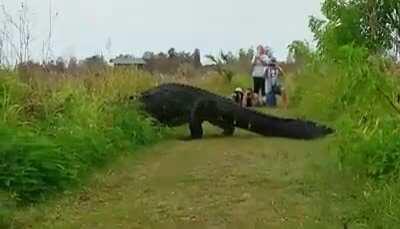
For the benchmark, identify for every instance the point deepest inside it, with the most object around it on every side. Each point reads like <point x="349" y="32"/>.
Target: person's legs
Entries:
<point x="261" y="90"/>
<point x="271" y="99"/>
<point x="257" y="84"/>
<point x="268" y="91"/>
<point x="268" y="86"/>
<point x="262" y="82"/>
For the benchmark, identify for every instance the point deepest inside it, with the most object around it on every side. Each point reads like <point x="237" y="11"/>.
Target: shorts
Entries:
<point x="259" y="84"/>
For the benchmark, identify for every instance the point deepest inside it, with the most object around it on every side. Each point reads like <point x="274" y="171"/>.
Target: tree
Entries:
<point x="73" y="65"/>
<point x="148" y="55"/>
<point x="374" y="24"/>
<point x="95" y="63"/>
<point x="250" y="53"/>
<point x="60" y="65"/>
<point x="196" y="58"/>
<point x="171" y="53"/>
<point x="161" y="55"/>
<point x="390" y="10"/>
<point x="300" y="52"/>
<point x="21" y="25"/>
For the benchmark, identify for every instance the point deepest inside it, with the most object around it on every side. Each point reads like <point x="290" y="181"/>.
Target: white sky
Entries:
<point x="83" y="27"/>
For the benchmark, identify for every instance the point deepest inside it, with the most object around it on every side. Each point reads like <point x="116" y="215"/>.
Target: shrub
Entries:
<point x="53" y="133"/>
<point x="357" y="93"/>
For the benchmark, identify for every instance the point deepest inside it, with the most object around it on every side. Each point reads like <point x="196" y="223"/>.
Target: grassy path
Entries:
<point x="245" y="181"/>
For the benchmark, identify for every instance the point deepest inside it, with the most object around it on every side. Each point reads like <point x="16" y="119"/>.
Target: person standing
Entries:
<point x="259" y="66"/>
<point x="272" y="82"/>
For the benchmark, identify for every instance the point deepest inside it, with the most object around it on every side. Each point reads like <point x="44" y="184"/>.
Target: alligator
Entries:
<point x="175" y="104"/>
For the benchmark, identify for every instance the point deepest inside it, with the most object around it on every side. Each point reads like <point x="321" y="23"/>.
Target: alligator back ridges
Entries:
<point x="176" y="104"/>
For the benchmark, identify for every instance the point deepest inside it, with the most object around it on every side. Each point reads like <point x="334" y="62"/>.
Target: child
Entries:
<point x="249" y="99"/>
<point x="238" y="96"/>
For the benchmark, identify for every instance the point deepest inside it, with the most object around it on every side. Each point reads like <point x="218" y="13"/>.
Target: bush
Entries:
<point x="358" y="95"/>
<point x="53" y="134"/>
<point x="7" y="209"/>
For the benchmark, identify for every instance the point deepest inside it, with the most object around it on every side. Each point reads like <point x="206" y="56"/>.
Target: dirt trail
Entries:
<point x="245" y="181"/>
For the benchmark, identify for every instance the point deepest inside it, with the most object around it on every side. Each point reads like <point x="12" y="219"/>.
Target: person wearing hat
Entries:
<point x="238" y="96"/>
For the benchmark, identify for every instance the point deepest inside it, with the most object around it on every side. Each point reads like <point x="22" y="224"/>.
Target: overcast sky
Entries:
<point x="83" y="27"/>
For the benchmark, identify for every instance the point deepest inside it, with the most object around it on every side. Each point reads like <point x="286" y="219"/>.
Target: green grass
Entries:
<point x="351" y="97"/>
<point x="243" y="181"/>
<point x="54" y="133"/>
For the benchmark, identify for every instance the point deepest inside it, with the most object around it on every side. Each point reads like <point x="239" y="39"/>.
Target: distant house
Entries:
<point x="128" y="61"/>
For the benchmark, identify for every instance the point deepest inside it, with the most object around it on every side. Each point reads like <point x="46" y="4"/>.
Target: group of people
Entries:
<point x="266" y="74"/>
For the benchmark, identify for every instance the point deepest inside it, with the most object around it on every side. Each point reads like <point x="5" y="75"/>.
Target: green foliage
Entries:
<point x="363" y="23"/>
<point x="379" y="206"/>
<point x="312" y="94"/>
<point x="221" y="65"/>
<point x="7" y="209"/>
<point x="358" y="95"/>
<point x="370" y="134"/>
<point x="300" y="52"/>
<point x="352" y="40"/>
<point x="362" y="99"/>
<point x="358" y="85"/>
<point x="52" y="135"/>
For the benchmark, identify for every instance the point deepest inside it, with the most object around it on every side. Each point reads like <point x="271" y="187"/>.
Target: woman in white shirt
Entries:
<point x="259" y="65"/>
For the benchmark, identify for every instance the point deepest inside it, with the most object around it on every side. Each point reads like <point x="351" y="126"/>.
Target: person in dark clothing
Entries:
<point x="249" y="97"/>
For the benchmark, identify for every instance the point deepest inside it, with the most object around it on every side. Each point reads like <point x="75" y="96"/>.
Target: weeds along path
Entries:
<point x="245" y="181"/>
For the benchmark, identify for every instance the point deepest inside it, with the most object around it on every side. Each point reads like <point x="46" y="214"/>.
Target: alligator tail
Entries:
<point x="269" y="125"/>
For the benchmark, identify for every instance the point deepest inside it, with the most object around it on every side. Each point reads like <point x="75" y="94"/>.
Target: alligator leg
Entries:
<point x="229" y="127"/>
<point x="195" y="126"/>
<point x="226" y="122"/>
<point x="203" y="110"/>
<point x="206" y="110"/>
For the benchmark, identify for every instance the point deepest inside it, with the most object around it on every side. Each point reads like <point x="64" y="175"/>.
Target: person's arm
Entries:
<point x="281" y="70"/>
<point x="253" y="63"/>
<point x="264" y="60"/>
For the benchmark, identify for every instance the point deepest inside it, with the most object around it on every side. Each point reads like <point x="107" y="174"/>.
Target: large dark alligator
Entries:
<point x="176" y="104"/>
